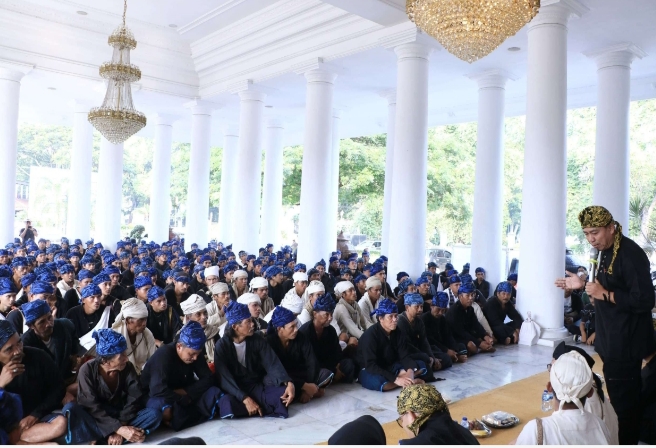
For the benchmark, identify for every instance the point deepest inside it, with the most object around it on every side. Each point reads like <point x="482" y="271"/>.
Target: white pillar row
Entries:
<point x="160" y="197"/>
<point x="611" y="175"/>
<point x="272" y="186"/>
<point x="228" y="187"/>
<point x="315" y="237"/>
<point x="78" y="219"/>
<point x="488" y="181"/>
<point x="198" y="188"/>
<point x="9" y="94"/>
<point x="389" y="168"/>
<point x="110" y="197"/>
<point x="332" y="212"/>
<point x="406" y="251"/>
<point x="248" y="176"/>
<point x="542" y="231"/>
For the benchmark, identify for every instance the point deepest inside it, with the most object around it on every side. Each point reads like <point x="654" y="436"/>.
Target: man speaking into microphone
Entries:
<point x="624" y="298"/>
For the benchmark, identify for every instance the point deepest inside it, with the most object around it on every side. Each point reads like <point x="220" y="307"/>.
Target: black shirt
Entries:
<point x="378" y="352"/>
<point x="29" y="235"/>
<point x="298" y="358"/>
<point x="327" y="348"/>
<point x="84" y="322"/>
<point x="440" y="429"/>
<point x="483" y="287"/>
<point x="165" y="325"/>
<point x="415" y="332"/>
<point x="464" y="324"/>
<point x="439" y="333"/>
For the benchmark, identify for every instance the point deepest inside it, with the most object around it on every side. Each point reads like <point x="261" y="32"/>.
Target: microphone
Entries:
<point x="594" y="255"/>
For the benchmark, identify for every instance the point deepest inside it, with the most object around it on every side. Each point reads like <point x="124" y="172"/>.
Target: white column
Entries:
<point x="110" y="195"/>
<point x="78" y="220"/>
<point x="542" y="231"/>
<point x="248" y="177"/>
<point x="160" y="197"/>
<point x="272" y="188"/>
<point x="488" y="186"/>
<point x="389" y="168"/>
<point x="198" y="189"/>
<point x="407" y="250"/>
<point x="611" y="176"/>
<point x="9" y="95"/>
<point x="228" y="189"/>
<point x="331" y="213"/>
<point x="315" y="237"/>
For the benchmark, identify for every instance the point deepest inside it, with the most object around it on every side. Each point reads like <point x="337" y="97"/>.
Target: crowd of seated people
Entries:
<point x="105" y="346"/>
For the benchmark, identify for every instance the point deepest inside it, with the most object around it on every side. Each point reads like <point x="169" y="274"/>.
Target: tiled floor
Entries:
<point x="318" y="420"/>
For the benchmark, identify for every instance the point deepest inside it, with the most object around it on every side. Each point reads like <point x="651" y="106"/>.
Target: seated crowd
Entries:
<point x="98" y="346"/>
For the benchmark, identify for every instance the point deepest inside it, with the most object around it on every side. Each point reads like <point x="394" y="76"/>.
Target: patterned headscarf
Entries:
<point x="281" y="317"/>
<point x="33" y="310"/>
<point x="422" y="399"/>
<point x="385" y="306"/>
<point x="413" y="299"/>
<point x="598" y="216"/>
<point x="466" y="288"/>
<point x="6" y="332"/>
<point x="504" y="287"/>
<point x="193" y="336"/>
<point x="236" y="312"/>
<point x="109" y="342"/>
<point x="440" y="300"/>
<point x="404" y="285"/>
<point x="325" y="303"/>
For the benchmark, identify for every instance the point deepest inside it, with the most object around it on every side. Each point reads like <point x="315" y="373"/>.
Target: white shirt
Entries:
<point x="241" y="352"/>
<point x="367" y="308"/>
<point x="569" y="427"/>
<point x="605" y="412"/>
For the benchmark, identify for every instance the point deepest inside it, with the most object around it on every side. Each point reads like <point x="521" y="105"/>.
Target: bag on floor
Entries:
<point x="530" y="332"/>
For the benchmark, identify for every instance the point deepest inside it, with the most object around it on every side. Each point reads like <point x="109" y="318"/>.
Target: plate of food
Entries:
<point x="479" y="429"/>
<point x="500" y="419"/>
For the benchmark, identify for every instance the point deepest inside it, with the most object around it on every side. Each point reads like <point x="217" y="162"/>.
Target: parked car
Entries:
<point x="372" y="245"/>
<point x="572" y="264"/>
<point x="438" y="255"/>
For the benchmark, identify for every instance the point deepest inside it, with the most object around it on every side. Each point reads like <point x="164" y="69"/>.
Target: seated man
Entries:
<point x="131" y="322"/>
<point x="406" y="286"/>
<point x="33" y="375"/>
<point x="300" y="284"/>
<point x="110" y="394"/>
<point x="454" y="282"/>
<point x="413" y="328"/>
<point x="56" y="337"/>
<point x="497" y="309"/>
<point x="325" y="341"/>
<point x="220" y="294"/>
<point x="438" y="332"/>
<point x="348" y="314"/>
<point x="482" y="285"/>
<point x="90" y="316"/>
<point x="571" y="381"/>
<point x="260" y="286"/>
<point x="465" y="326"/>
<point x="142" y="285"/>
<point x="477" y="304"/>
<point x="296" y="355"/>
<point x="254" y="304"/>
<point x="164" y="322"/>
<point x="585" y="331"/>
<point x="195" y="310"/>
<point x="369" y="301"/>
<point x="179" y="382"/>
<point x="74" y="295"/>
<point x="178" y="293"/>
<point x="249" y="371"/>
<point x="384" y="354"/>
<point x="423" y="285"/>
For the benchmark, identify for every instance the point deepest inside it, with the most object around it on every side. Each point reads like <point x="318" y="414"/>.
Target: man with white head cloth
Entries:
<point x="260" y="286"/>
<point x="195" y="309"/>
<point x="369" y="301"/>
<point x="220" y="299"/>
<point x="347" y="313"/>
<point x="240" y="282"/>
<point x="131" y="323"/>
<point x="254" y="304"/>
<point x="300" y="285"/>
<point x="292" y="302"/>
<point x="315" y="289"/>
<point x="571" y="382"/>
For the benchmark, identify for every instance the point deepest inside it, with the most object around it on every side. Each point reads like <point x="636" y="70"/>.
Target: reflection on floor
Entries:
<point x="318" y="420"/>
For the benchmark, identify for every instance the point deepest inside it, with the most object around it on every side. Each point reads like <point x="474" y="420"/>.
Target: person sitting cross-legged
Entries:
<point x="384" y="353"/>
<point x="497" y="309"/>
<point x="296" y="355"/>
<point x="179" y="381"/>
<point x="325" y="341"/>
<point x="464" y="325"/>
<point x="348" y="314"/>
<point x="91" y="315"/>
<point x="438" y="331"/>
<point x="110" y="394"/>
<point x="163" y="320"/>
<point x="131" y="323"/>
<point x="249" y="371"/>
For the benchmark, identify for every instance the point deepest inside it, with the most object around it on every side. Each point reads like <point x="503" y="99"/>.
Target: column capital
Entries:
<point x="492" y="79"/>
<point x="320" y="75"/>
<point x="201" y="107"/>
<point x="275" y="123"/>
<point x="164" y="119"/>
<point x="413" y="50"/>
<point x="82" y="106"/>
<point x="389" y="95"/>
<point x="14" y="71"/>
<point x="621" y="55"/>
<point x="557" y="12"/>
<point x="231" y="130"/>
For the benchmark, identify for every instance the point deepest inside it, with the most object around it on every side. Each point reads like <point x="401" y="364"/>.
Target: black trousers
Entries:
<point x="624" y="383"/>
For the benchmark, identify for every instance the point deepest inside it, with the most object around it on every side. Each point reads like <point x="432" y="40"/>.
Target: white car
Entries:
<point x="369" y="244"/>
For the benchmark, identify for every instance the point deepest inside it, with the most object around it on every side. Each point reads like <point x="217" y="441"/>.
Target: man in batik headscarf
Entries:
<point x="624" y="297"/>
<point x="425" y="416"/>
<point x="179" y="381"/>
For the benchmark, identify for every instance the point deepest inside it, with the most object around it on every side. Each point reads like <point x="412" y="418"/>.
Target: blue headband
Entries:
<point x="46" y="277"/>
<point x="385" y="306"/>
<point x="422" y="281"/>
<point x="281" y="317"/>
<point x="272" y="272"/>
<point x="236" y="312"/>
<point x="40" y="287"/>
<point x="441" y="300"/>
<point x="455" y="279"/>
<point x="375" y="269"/>
<point x="400" y="275"/>
<point x="67" y="268"/>
<point x="193" y="336"/>
<point x="505" y="287"/>
<point x="90" y="290"/>
<point x="479" y="270"/>
<point x="448" y="266"/>
<point x="154" y="293"/>
<point x="182" y="279"/>
<point x="359" y="278"/>
<point x="140" y="282"/>
<point x="325" y="303"/>
<point x="466" y="278"/>
<point x="111" y="270"/>
<point x="512" y="277"/>
<point x="300" y="267"/>
<point x="6" y="332"/>
<point x="404" y="285"/>
<point x="28" y="279"/>
<point x="18" y="262"/>
<point x="413" y="299"/>
<point x="101" y="278"/>
<point x="34" y="310"/>
<point x="109" y="342"/>
<point x="466" y="288"/>
<point x="5" y="271"/>
<point x="84" y="274"/>
<point x="321" y="262"/>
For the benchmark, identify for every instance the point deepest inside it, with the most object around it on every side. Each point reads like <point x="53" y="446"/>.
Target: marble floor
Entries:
<point x="318" y="420"/>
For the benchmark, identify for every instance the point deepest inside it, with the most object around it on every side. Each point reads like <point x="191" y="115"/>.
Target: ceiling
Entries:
<point x="217" y="45"/>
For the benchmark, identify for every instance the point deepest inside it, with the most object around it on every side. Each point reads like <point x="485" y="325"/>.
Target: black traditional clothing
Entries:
<point x="496" y="313"/>
<point x="483" y="288"/>
<point x="439" y="334"/>
<point x="171" y="299"/>
<point x="165" y="325"/>
<point x="415" y="332"/>
<point x="440" y="429"/>
<point x="298" y="359"/>
<point x="328" y="351"/>
<point x="464" y="324"/>
<point x="277" y="293"/>
<point x="84" y="322"/>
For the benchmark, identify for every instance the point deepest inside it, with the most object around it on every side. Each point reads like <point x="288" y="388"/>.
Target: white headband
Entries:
<point x="571" y="379"/>
<point x="212" y="271"/>
<point x="193" y="304"/>
<point x="249" y="297"/>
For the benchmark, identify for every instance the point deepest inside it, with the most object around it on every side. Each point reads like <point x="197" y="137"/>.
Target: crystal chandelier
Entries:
<point x="117" y="120"/>
<point x="471" y="29"/>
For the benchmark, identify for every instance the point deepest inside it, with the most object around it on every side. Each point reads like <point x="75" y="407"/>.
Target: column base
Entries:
<point x="551" y="337"/>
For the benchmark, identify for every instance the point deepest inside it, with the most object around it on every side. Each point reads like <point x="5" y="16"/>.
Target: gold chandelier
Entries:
<point x="471" y="29"/>
<point x="117" y="120"/>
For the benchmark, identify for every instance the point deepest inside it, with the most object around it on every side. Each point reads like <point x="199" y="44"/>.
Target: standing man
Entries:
<point x="624" y="299"/>
<point x="28" y="232"/>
